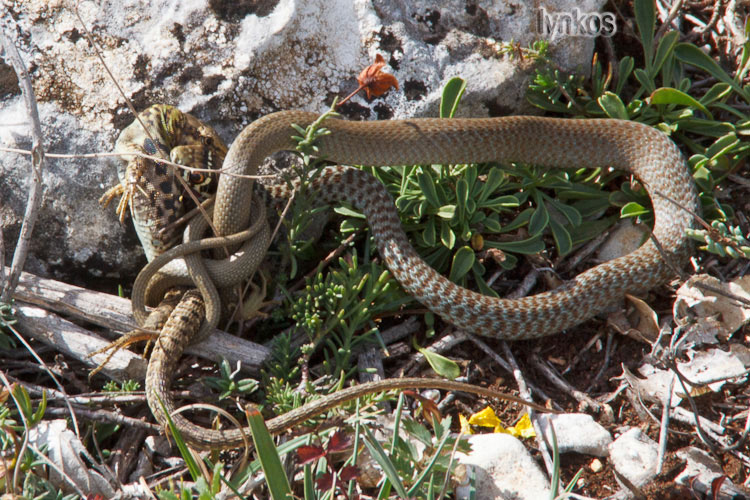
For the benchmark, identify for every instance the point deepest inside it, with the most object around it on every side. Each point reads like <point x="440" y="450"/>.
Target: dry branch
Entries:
<point x="109" y="312"/>
<point x="7" y="39"/>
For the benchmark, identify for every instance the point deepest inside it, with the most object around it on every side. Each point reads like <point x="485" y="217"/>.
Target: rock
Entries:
<point x="504" y="469"/>
<point x="634" y="454"/>
<point x="624" y="239"/>
<point x="576" y="432"/>
<point x="228" y="65"/>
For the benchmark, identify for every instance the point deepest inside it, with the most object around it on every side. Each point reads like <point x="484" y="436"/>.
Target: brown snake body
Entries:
<point x="641" y="150"/>
<point x="638" y="149"/>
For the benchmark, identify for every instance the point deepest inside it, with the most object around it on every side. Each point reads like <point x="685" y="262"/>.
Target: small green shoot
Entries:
<point x="127" y="386"/>
<point x="227" y="384"/>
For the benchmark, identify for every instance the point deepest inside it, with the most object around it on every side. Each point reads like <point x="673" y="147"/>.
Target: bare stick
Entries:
<point x="7" y="32"/>
<point x="668" y="21"/>
<point x="525" y="393"/>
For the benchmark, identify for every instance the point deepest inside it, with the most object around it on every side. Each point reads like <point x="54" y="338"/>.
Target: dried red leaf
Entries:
<point x="324" y="482"/>
<point x="309" y="453"/>
<point x="374" y="81"/>
<point x="349" y="472"/>
<point x="429" y="407"/>
<point x="716" y="486"/>
<point x="340" y="441"/>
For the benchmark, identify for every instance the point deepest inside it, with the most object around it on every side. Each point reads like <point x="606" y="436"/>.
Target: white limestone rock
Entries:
<point x="504" y="469"/>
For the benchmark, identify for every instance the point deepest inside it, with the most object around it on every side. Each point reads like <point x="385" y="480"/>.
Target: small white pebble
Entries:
<point x="596" y="465"/>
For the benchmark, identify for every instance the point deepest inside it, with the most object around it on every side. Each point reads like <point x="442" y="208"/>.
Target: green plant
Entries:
<point x="409" y="471"/>
<point x="127" y="386"/>
<point x="281" y="369"/>
<point x="203" y="488"/>
<point x="722" y="240"/>
<point x="303" y="211"/>
<point x="453" y="212"/>
<point x="330" y="479"/>
<point x="23" y="403"/>
<point x="412" y="471"/>
<point x="227" y="383"/>
<point x="335" y="308"/>
<point x="28" y="466"/>
<point x="711" y="127"/>
<point x="276" y="480"/>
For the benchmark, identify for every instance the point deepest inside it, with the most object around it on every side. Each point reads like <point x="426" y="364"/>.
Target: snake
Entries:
<point x="642" y="151"/>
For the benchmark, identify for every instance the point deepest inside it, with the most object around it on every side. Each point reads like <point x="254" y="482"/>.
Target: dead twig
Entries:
<point x="584" y="399"/>
<point x="664" y="426"/>
<point x="714" y="17"/>
<point x="668" y="21"/>
<point x="525" y="393"/>
<point x="34" y="201"/>
<point x="505" y="365"/>
<point x="105" y="416"/>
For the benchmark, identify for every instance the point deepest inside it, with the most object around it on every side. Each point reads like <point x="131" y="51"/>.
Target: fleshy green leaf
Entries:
<point x="722" y="145"/>
<point x="462" y="197"/>
<point x="633" y="209"/>
<point x="645" y="18"/>
<point x="494" y="179"/>
<point x="447" y="236"/>
<point x="613" y="106"/>
<point x="690" y="54"/>
<point x="521" y="220"/>
<point x="492" y="225"/>
<point x="539" y="220"/>
<point x="527" y="247"/>
<point x="442" y="365"/>
<point x="623" y="72"/>
<point x="666" y="45"/>
<point x="668" y="95"/>
<point x="505" y="201"/>
<point x="570" y="213"/>
<point x="562" y="237"/>
<point x="429" y="234"/>
<point x="452" y="92"/>
<point x="427" y="185"/>
<point x="463" y="260"/>
<point x="644" y="79"/>
<point x="446" y="211"/>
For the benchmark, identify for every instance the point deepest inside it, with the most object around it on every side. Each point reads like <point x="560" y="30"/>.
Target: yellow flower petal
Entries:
<point x="485" y="418"/>
<point x="523" y="428"/>
<point x="465" y="427"/>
